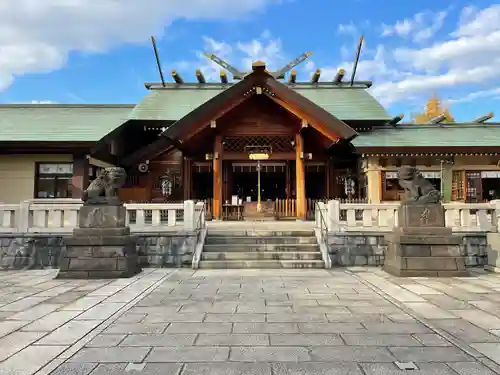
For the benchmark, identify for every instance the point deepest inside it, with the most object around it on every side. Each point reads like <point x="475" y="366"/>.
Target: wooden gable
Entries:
<point x="257" y="84"/>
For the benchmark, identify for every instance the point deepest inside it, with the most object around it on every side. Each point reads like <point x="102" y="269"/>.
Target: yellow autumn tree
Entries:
<point x="433" y="108"/>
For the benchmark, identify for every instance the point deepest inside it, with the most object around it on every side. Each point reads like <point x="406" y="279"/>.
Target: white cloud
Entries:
<point x="37" y="102"/>
<point x="474" y="22"/>
<point x="43" y="102"/>
<point x="349" y="29"/>
<point x="241" y="55"/>
<point x="473" y="96"/>
<point x="470" y="56"/>
<point x="420" y="28"/>
<point x="37" y="36"/>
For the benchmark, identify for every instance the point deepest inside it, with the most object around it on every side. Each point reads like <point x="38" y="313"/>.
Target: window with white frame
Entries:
<point x="53" y="180"/>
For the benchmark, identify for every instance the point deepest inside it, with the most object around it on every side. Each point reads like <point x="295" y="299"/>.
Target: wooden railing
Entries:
<point x="284" y="208"/>
<point x="461" y="217"/>
<point x="61" y="216"/>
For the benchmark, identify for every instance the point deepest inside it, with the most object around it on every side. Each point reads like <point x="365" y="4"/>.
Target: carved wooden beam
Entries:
<point x="339" y="76"/>
<point x="177" y="78"/>
<point x="393" y="121"/>
<point x="438" y="119"/>
<point x="485" y="118"/>
<point x="223" y="76"/>
<point x="316" y="75"/>
<point x="200" y="77"/>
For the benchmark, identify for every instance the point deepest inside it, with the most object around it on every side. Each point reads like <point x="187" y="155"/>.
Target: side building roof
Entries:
<point x="60" y="123"/>
<point x="432" y="135"/>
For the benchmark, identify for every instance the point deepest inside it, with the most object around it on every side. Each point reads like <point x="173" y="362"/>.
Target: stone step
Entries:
<point x="233" y="255"/>
<point x="256" y="264"/>
<point x="242" y="248"/>
<point x="260" y="233"/>
<point x="214" y="240"/>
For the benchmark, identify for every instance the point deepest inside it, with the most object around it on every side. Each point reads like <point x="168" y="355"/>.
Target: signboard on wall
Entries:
<point x="425" y="174"/>
<point x="490" y="174"/>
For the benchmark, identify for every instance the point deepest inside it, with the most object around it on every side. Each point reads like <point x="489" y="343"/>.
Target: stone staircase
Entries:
<point x="261" y="248"/>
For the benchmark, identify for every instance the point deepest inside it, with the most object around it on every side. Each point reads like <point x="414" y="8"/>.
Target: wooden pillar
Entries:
<point x="80" y="179"/>
<point x="217" y="168"/>
<point x="226" y="194"/>
<point x="288" y="179"/>
<point x="187" y="172"/>
<point x="329" y="178"/>
<point x="229" y="180"/>
<point x="374" y="181"/>
<point x="300" y="178"/>
<point x="447" y="183"/>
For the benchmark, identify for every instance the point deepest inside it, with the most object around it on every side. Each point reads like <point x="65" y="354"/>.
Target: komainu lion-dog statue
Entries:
<point x="418" y="189"/>
<point x="104" y="189"/>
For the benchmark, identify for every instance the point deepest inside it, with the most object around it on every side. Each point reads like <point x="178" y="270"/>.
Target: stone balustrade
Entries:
<point x="60" y="216"/>
<point x="383" y="217"/>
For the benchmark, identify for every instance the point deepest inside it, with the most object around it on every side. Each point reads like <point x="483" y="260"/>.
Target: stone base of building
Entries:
<point x="422" y="246"/>
<point x="493" y="252"/>
<point x="102" y="247"/>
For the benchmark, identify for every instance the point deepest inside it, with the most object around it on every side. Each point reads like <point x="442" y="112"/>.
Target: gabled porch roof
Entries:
<point x="258" y="82"/>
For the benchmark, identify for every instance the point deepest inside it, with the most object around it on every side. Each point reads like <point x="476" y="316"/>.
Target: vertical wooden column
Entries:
<point x="374" y="181"/>
<point x="80" y="178"/>
<point x="300" y="178"/>
<point x="288" y="179"/>
<point x="328" y="178"/>
<point x="217" y="168"/>
<point x="230" y="181"/>
<point x="225" y="182"/>
<point x="187" y="172"/>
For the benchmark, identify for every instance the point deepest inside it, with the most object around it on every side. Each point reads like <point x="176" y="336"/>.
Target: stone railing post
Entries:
<point x="23" y="222"/>
<point x="333" y="215"/>
<point x="189" y="216"/>
<point x="199" y="215"/>
<point x="319" y="210"/>
<point x="495" y="205"/>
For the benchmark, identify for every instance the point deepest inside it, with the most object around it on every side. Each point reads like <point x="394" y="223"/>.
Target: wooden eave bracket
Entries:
<point x="305" y="121"/>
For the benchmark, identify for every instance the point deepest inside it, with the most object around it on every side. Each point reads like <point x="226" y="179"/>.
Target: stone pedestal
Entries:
<point x="493" y="252"/>
<point x="101" y="247"/>
<point x="422" y="245"/>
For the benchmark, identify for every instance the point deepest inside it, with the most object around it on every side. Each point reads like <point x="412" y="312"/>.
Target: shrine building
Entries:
<point x="286" y="144"/>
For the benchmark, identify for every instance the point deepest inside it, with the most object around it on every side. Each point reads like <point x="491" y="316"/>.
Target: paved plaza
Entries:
<point x="263" y="322"/>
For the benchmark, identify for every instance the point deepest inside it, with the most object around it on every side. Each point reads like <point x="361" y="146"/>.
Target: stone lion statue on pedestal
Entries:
<point x="104" y="189"/>
<point x="417" y="188"/>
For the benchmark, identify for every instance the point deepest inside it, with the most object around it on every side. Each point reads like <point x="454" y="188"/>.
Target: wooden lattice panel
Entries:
<point x="458" y="186"/>
<point x="248" y="143"/>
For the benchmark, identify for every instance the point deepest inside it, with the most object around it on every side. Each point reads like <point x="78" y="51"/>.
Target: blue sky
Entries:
<point x="90" y="51"/>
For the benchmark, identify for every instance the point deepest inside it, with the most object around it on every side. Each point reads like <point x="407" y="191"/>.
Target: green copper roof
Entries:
<point x="346" y="103"/>
<point x="173" y="103"/>
<point x="53" y="122"/>
<point x="415" y="135"/>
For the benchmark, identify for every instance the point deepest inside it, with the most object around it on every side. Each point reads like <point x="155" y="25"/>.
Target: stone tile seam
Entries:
<point x="59" y="360"/>
<point x="443" y="334"/>
<point x="57" y="310"/>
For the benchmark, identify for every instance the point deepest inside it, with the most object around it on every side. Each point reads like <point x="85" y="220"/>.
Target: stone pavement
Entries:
<point x="323" y="322"/>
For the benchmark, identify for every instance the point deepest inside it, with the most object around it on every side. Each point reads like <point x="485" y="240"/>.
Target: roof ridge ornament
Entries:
<point x="483" y="119"/>
<point x="237" y="74"/>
